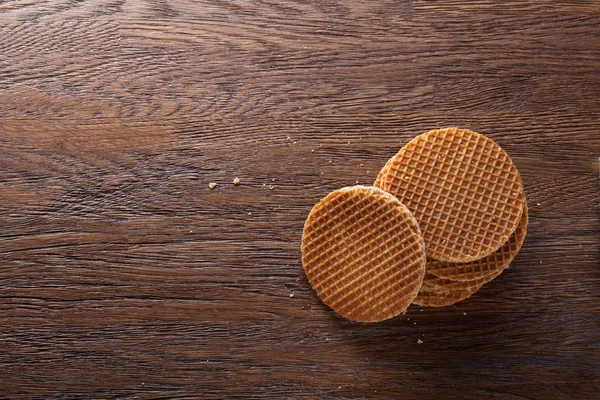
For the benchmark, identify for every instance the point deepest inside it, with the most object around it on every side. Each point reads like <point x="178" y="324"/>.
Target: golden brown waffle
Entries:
<point x="363" y="253"/>
<point x="462" y="188"/>
<point x="441" y="298"/>
<point x="438" y="292"/>
<point x="484" y="267"/>
<point x="432" y="282"/>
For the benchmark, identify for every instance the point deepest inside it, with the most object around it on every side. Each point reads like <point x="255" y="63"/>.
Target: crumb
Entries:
<point x="407" y="177"/>
<point x="312" y="151"/>
<point x="291" y="295"/>
<point x="540" y="262"/>
<point x="357" y="182"/>
<point x="419" y="341"/>
<point x="320" y="145"/>
<point x="414" y="323"/>
<point x="294" y="142"/>
<point x="273" y="180"/>
<point x="249" y="213"/>
<point x="538" y="204"/>
<point x="288" y="138"/>
<point x="236" y="181"/>
<point x="271" y="187"/>
<point x="212" y="185"/>
<point x="361" y="165"/>
<point x="367" y="172"/>
<point x="464" y="313"/>
<point x="329" y="161"/>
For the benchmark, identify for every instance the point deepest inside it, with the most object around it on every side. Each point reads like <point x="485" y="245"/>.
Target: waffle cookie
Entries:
<point x="462" y="188"/>
<point x="363" y="253"/>
<point x="435" y="283"/>
<point x="428" y="297"/>
<point x="438" y="292"/>
<point x="484" y="267"/>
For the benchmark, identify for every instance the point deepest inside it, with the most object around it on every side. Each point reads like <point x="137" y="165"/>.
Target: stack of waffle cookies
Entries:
<point x="446" y="215"/>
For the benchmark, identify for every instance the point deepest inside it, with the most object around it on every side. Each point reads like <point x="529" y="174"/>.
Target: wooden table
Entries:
<point x="122" y="275"/>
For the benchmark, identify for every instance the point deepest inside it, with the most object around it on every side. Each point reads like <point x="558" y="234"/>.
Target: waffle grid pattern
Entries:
<point x="363" y="254"/>
<point x="484" y="267"/>
<point x="462" y="188"/>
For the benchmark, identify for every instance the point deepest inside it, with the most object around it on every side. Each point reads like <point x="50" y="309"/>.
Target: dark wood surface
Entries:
<point x="123" y="276"/>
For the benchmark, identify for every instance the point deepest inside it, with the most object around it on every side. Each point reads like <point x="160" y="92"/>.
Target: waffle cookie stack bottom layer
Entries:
<point x="453" y="192"/>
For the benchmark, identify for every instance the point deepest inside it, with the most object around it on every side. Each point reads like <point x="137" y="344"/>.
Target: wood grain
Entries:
<point x="122" y="275"/>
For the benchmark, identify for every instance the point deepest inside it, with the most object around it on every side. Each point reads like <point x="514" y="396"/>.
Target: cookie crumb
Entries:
<point x="212" y="185"/>
<point x="464" y="313"/>
<point x="271" y="187"/>
<point x="291" y="295"/>
<point x="361" y="165"/>
<point x="419" y="341"/>
<point x="538" y="204"/>
<point x="236" y="181"/>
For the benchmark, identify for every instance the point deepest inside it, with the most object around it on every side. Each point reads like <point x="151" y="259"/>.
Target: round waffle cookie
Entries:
<point x="462" y="188"/>
<point x="484" y="267"/>
<point x="440" y="298"/>
<point x="363" y="253"/>
<point x="438" y="292"/>
<point x="432" y="282"/>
